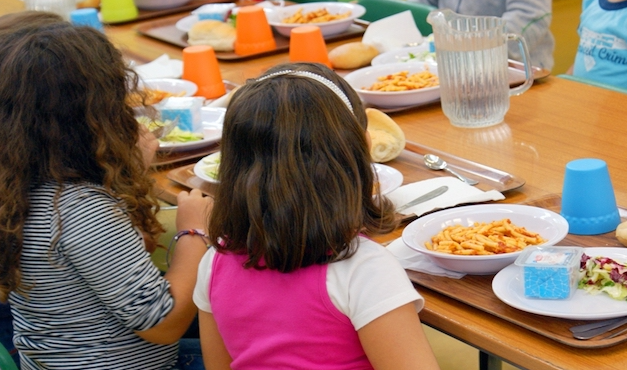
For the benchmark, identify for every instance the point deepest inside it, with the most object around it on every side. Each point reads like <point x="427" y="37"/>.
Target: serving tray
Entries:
<point x="409" y="163"/>
<point x="165" y="30"/>
<point x="476" y="291"/>
<point x="149" y="14"/>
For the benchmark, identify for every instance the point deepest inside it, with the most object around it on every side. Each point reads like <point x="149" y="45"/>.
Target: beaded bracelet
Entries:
<point x="181" y="233"/>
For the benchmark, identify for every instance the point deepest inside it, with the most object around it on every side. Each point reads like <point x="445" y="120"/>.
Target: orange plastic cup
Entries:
<point x="253" y="34"/>
<point x="200" y="66"/>
<point x="307" y="45"/>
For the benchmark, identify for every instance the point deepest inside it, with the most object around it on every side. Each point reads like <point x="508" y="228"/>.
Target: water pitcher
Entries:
<point x="471" y="53"/>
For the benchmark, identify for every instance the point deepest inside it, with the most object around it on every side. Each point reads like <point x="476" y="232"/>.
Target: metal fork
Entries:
<point x="588" y="331"/>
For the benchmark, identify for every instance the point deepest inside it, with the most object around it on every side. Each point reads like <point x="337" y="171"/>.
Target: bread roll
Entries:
<point x="388" y="140"/>
<point x="217" y="34"/>
<point x="621" y="233"/>
<point x="352" y="55"/>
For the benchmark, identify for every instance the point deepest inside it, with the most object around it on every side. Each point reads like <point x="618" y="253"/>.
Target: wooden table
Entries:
<point x="554" y="122"/>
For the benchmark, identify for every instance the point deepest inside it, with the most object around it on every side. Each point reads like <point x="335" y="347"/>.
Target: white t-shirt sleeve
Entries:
<point x="201" y="290"/>
<point x="370" y="284"/>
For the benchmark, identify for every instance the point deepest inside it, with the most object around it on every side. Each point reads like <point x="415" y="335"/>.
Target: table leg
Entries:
<point x="489" y="362"/>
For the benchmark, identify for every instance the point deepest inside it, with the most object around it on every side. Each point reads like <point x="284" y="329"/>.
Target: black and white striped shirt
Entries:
<point x="90" y="290"/>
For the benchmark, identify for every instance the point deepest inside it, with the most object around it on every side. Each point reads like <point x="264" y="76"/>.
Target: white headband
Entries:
<point x="323" y="80"/>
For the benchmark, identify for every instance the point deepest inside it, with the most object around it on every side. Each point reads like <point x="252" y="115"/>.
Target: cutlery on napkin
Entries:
<point x="162" y="67"/>
<point x="458" y="193"/>
<point x="416" y="261"/>
<point x="393" y="32"/>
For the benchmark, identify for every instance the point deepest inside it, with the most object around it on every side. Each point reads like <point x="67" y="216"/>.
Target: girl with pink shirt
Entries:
<point x="293" y="283"/>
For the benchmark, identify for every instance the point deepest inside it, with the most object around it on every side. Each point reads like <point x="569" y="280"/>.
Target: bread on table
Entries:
<point x="219" y="35"/>
<point x="621" y="233"/>
<point x="388" y="140"/>
<point x="352" y="55"/>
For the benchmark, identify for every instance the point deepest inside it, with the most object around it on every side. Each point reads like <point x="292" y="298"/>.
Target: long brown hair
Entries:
<point x="64" y="119"/>
<point x="296" y="179"/>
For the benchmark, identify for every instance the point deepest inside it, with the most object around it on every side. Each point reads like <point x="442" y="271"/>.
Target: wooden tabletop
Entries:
<point x="551" y="124"/>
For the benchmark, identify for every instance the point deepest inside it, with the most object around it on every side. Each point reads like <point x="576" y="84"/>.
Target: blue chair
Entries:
<point x="593" y="83"/>
<point x="377" y="9"/>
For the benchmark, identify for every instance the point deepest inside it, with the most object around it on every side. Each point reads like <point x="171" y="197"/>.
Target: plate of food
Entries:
<point x="182" y="140"/>
<point x="483" y="239"/>
<point x="582" y="305"/>
<point x="420" y="53"/>
<point x="332" y="17"/>
<point x="389" y="178"/>
<point x="397" y="84"/>
<point x="207" y="168"/>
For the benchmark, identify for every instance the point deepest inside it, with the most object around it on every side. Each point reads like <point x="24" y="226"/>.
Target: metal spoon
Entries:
<point x="436" y="163"/>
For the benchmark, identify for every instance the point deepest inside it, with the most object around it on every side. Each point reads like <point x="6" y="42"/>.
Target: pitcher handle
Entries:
<point x="526" y="61"/>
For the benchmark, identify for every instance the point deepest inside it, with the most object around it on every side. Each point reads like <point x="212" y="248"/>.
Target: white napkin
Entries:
<point x="392" y="32"/>
<point x="416" y="261"/>
<point x="162" y="67"/>
<point x="458" y="193"/>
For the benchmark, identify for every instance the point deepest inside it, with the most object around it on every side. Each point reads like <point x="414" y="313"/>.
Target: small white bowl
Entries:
<point x="277" y="14"/>
<point x="172" y="85"/>
<point x="366" y="77"/>
<point x="412" y="54"/>
<point x="159" y="4"/>
<point x="550" y="225"/>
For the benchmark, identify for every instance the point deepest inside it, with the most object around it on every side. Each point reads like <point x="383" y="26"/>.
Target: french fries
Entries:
<point x="153" y="96"/>
<point x="403" y="81"/>
<point x="316" y="16"/>
<point x="481" y="238"/>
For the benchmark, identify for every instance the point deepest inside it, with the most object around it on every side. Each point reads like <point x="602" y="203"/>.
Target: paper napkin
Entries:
<point x="162" y="67"/>
<point x="416" y="261"/>
<point x="392" y="32"/>
<point x="458" y="193"/>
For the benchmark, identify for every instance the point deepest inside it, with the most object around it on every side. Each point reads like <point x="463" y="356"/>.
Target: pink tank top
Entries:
<point x="272" y="320"/>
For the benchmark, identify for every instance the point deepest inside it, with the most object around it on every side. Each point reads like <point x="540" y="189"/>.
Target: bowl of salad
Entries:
<point x="420" y="53"/>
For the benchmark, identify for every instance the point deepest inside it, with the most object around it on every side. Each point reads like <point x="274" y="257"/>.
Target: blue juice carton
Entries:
<point x="188" y="110"/>
<point x="550" y="272"/>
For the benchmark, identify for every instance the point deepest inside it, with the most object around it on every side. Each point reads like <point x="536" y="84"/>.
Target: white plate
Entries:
<point x="201" y="165"/>
<point x="402" y="55"/>
<point x="185" y="24"/>
<point x="507" y="286"/>
<point x="172" y="85"/>
<point x="389" y="178"/>
<point x="550" y="225"/>
<point x="277" y="14"/>
<point x="365" y="77"/>
<point x="212" y="119"/>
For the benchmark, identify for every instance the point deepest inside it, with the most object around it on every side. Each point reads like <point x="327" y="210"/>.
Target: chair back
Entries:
<point x="6" y="361"/>
<point x="377" y="9"/>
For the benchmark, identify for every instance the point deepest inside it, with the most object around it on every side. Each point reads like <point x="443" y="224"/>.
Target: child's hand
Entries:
<point x="193" y="210"/>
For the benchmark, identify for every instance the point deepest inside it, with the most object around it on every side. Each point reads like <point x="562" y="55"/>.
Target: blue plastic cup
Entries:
<point x="86" y="17"/>
<point x="588" y="200"/>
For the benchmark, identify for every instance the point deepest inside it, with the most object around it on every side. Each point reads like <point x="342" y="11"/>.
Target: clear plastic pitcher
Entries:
<point x="471" y="53"/>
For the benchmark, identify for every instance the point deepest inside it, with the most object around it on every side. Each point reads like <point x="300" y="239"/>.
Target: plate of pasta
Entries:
<point x="396" y="85"/>
<point x="483" y="239"/>
<point x="332" y="17"/>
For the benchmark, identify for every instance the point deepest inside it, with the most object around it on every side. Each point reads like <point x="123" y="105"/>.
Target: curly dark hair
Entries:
<point x="296" y="177"/>
<point x="64" y="118"/>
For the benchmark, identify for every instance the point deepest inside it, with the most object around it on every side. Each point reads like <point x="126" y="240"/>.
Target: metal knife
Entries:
<point x="423" y="198"/>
